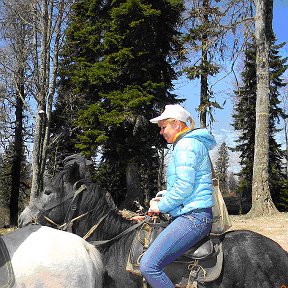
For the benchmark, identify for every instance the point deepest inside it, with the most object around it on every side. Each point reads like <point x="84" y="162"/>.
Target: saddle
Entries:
<point x="7" y="278"/>
<point x="202" y="263"/>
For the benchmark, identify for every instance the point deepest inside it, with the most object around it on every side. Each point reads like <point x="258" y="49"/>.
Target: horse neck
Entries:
<point x="101" y="214"/>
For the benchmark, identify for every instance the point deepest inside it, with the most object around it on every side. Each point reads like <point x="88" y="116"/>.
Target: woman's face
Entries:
<point x="169" y="128"/>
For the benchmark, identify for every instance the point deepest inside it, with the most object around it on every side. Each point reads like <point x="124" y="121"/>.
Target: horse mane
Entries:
<point x="101" y="205"/>
<point x="95" y="201"/>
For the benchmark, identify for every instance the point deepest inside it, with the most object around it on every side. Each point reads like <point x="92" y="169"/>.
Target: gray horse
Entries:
<point x="49" y="258"/>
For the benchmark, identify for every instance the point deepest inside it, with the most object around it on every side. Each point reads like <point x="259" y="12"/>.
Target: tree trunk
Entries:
<point x="161" y="159"/>
<point x="286" y="142"/>
<point x="15" y="33"/>
<point x="46" y="66"/>
<point x="133" y="185"/>
<point x="204" y="75"/>
<point x="17" y="157"/>
<point x="37" y="161"/>
<point x="262" y="203"/>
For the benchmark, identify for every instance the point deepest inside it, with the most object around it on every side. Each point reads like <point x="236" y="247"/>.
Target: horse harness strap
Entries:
<point x="56" y="202"/>
<point x="66" y="226"/>
<point x="51" y="221"/>
<point x="102" y="242"/>
<point x="72" y="208"/>
<point x="68" y="222"/>
<point x="93" y="228"/>
<point x="128" y="230"/>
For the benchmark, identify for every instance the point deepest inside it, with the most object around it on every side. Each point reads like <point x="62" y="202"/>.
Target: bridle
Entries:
<point x="68" y="220"/>
<point x="69" y="217"/>
<point x="56" y="202"/>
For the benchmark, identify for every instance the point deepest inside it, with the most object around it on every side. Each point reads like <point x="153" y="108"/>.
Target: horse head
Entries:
<point x="56" y="197"/>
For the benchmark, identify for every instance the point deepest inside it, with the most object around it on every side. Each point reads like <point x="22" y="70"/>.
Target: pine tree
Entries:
<point x="6" y="170"/>
<point x="212" y="34"/>
<point x="117" y="73"/>
<point x="244" y="122"/>
<point x="221" y="168"/>
<point x="232" y="183"/>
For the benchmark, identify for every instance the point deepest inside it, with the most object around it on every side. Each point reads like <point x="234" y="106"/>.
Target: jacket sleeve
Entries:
<point x="185" y="157"/>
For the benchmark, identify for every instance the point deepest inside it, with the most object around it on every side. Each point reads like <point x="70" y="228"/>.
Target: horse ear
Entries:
<point x="84" y="165"/>
<point x="73" y="173"/>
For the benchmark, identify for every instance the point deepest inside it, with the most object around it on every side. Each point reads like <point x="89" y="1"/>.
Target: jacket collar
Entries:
<point x="180" y="135"/>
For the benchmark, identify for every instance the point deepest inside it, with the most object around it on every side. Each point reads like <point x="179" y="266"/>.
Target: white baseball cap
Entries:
<point x="173" y="111"/>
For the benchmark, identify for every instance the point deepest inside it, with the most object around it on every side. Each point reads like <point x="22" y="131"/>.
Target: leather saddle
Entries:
<point x="7" y="278"/>
<point x="202" y="263"/>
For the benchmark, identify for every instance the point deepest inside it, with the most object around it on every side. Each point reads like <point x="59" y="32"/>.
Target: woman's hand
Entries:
<point x="153" y="209"/>
<point x="138" y="218"/>
<point x="154" y="205"/>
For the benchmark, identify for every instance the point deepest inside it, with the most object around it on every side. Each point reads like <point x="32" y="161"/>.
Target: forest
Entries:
<point x="85" y="76"/>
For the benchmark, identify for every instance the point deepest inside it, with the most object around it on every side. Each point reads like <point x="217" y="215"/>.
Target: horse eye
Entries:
<point x="47" y="192"/>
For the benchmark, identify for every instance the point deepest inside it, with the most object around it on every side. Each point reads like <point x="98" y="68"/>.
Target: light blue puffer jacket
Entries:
<point x="189" y="177"/>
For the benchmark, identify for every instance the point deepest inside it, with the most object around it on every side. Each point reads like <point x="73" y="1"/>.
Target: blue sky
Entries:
<point x="222" y="129"/>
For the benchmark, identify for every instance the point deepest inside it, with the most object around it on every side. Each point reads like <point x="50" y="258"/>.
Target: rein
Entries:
<point x="67" y="225"/>
<point x="128" y="230"/>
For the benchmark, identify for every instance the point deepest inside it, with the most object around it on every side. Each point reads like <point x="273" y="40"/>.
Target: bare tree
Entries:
<point x="45" y="20"/>
<point x="48" y="26"/>
<point x="262" y="203"/>
<point x="15" y="32"/>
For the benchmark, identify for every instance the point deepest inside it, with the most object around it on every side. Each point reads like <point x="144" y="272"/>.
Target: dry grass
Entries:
<point x="274" y="227"/>
<point x="4" y="231"/>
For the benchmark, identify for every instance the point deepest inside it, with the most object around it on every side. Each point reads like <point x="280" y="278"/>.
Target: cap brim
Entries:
<point x="157" y="119"/>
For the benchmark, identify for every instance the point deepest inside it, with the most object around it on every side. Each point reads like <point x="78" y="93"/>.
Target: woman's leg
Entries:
<point x="183" y="233"/>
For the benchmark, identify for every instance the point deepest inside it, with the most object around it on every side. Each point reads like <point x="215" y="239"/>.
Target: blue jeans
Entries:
<point x="180" y="235"/>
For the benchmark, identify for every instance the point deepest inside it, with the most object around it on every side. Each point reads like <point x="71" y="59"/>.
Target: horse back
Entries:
<point x="250" y="258"/>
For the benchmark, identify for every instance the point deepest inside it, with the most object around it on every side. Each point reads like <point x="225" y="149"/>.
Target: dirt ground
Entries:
<point x="274" y="227"/>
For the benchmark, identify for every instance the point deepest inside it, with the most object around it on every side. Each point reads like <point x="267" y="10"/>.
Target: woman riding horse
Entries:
<point x="189" y="194"/>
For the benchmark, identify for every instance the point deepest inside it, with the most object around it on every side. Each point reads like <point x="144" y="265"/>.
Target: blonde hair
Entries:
<point x="190" y="119"/>
<point x="192" y="122"/>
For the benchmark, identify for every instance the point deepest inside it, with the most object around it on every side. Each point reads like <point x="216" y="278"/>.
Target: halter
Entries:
<point x="68" y="222"/>
<point x="70" y="212"/>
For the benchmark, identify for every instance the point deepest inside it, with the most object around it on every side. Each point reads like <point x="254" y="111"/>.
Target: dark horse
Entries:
<point x="250" y="259"/>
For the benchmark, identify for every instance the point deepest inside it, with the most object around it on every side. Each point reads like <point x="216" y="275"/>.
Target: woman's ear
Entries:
<point x="176" y="124"/>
